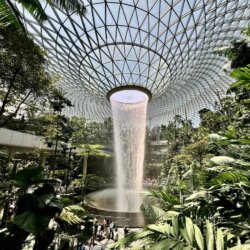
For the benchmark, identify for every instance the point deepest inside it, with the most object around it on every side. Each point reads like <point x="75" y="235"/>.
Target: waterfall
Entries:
<point x="129" y="108"/>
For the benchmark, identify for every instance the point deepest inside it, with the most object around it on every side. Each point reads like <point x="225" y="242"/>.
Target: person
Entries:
<point x="104" y="223"/>
<point x="95" y="227"/>
<point x="126" y="230"/>
<point x="95" y="221"/>
<point x="116" y="237"/>
<point x="107" y="222"/>
<point x="99" y="232"/>
<point x="105" y="227"/>
<point x="111" y="230"/>
<point x="80" y="246"/>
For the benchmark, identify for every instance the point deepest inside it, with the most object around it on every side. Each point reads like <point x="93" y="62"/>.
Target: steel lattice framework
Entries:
<point x="165" y="46"/>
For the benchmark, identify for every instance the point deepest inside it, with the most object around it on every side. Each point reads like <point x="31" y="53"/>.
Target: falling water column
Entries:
<point x="129" y="108"/>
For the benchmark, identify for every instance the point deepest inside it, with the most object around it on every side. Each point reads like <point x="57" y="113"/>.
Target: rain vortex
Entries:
<point x="129" y="108"/>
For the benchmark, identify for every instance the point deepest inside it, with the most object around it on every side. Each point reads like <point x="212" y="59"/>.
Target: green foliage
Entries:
<point x="209" y="173"/>
<point x="2" y="200"/>
<point x="242" y="75"/>
<point x="28" y="176"/>
<point x="182" y="159"/>
<point x="35" y="210"/>
<point x="229" y="177"/>
<point x="213" y="121"/>
<point x="92" y="149"/>
<point x="225" y="196"/>
<point x="76" y="184"/>
<point x="23" y="74"/>
<point x="246" y="31"/>
<point x="36" y="206"/>
<point x="177" y="133"/>
<point x="86" y="132"/>
<point x="237" y="52"/>
<point x="58" y="101"/>
<point x="166" y="199"/>
<point x="197" y="149"/>
<point x="94" y="182"/>
<point x="154" y="212"/>
<point x="226" y="203"/>
<point x="36" y="203"/>
<point x="68" y="214"/>
<point x="178" y="235"/>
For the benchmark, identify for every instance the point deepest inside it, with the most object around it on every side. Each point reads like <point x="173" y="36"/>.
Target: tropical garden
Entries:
<point x="33" y="205"/>
<point x="36" y="211"/>
<point x="203" y="201"/>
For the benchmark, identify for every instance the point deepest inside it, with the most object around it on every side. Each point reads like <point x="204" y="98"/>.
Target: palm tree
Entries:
<point x="10" y="16"/>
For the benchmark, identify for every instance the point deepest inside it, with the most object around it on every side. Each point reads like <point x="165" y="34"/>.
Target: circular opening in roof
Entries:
<point x="129" y="96"/>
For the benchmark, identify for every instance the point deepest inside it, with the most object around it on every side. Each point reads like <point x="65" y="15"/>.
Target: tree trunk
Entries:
<point x="56" y="146"/>
<point x="5" y="101"/>
<point x="68" y="168"/>
<point x="168" y="176"/>
<point x="6" y="97"/>
<point x="84" y="171"/>
<point x="85" y="166"/>
<point x="55" y="156"/>
<point x="42" y="159"/>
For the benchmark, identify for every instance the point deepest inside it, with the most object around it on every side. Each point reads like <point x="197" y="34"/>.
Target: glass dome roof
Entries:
<point x="166" y="47"/>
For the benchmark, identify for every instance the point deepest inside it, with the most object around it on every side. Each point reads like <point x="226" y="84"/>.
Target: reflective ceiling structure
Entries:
<point x="165" y="46"/>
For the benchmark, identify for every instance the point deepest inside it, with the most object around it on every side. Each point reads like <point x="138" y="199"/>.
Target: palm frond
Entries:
<point x="168" y="244"/>
<point x="229" y="177"/>
<point x="165" y="197"/>
<point x="70" y="5"/>
<point x="243" y="77"/>
<point x="174" y="236"/>
<point x="219" y="169"/>
<point x="197" y="195"/>
<point x="9" y="16"/>
<point x="34" y="8"/>
<point x="153" y="212"/>
<point x="132" y="238"/>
